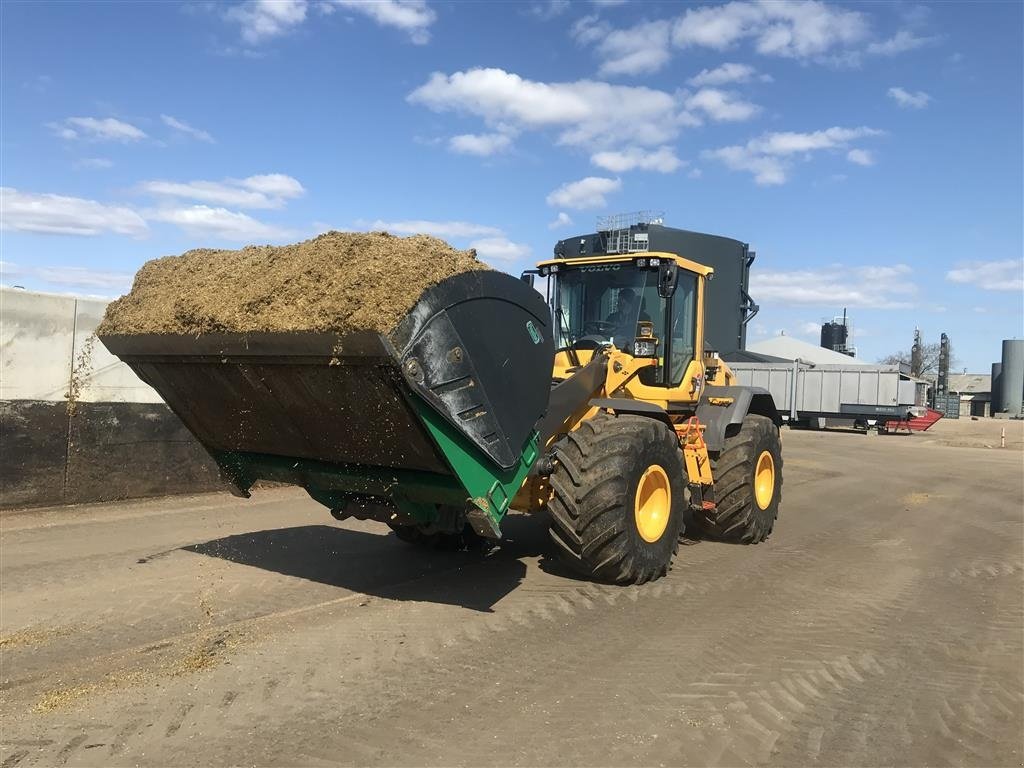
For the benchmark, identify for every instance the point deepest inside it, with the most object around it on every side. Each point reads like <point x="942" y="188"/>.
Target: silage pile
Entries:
<point x="339" y="282"/>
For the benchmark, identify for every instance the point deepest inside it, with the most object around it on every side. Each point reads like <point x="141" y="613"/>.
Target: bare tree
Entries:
<point x="929" y="368"/>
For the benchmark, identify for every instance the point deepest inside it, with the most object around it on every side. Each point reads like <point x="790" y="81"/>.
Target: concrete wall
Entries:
<point x="76" y="425"/>
<point x="44" y="338"/>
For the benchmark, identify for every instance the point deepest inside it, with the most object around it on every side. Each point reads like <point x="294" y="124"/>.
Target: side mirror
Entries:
<point x="528" y="277"/>
<point x="668" y="276"/>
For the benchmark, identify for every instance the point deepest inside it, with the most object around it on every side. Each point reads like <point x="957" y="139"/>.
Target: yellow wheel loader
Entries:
<point x="600" y="407"/>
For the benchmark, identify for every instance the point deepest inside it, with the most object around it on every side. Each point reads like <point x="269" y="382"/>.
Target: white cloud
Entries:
<point x="641" y="49"/>
<point x="861" y="157"/>
<point x="695" y="173"/>
<point x="549" y="9"/>
<point x="585" y="193"/>
<point x="901" y="42"/>
<point x="810" y="329"/>
<point x="183" y="127"/>
<point x="662" y="160"/>
<point x="788" y="142"/>
<point x="722" y="106"/>
<point x="729" y="72"/>
<point x="767" y="170"/>
<point x="793" y="29"/>
<point x="480" y="144"/>
<point x="273" y="184"/>
<point x="586" y="112"/>
<point x="444" y="229"/>
<point x="491" y="243"/>
<point x="271" y="190"/>
<point x="1002" y="275"/>
<point x="60" y="215"/>
<point x="262" y="20"/>
<point x="589" y="30"/>
<point x="77" y="281"/>
<point x="561" y="220"/>
<point x="767" y="157"/>
<point x="806" y="30"/>
<point x="412" y="16"/>
<point x="908" y="100"/>
<point x="93" y="163"/>
<point x="96" y="129"/>
<point x="220" y="223"/>
<point x="881" y="287"/>
<point x="608" y="3"/>
<point x="500" y="249"/>
<point x="82" y="277"/>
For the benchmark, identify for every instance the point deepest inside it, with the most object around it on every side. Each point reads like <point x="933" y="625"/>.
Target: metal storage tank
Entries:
<point x="1013" y="376"/>
<point x="997" y="393"/>
<point x="833" y="336"/>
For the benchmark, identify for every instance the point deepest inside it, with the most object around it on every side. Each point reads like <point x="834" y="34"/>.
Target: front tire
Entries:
<point x="748" y="484"/>
<point x="618" y="498"/>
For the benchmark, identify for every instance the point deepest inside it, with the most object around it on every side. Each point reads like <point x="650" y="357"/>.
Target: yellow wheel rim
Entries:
<point x="764" y="480"/>
<point x="653" y="505"/>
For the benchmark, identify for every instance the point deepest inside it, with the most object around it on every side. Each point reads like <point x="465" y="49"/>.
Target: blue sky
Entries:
<point x="870" y="153"/>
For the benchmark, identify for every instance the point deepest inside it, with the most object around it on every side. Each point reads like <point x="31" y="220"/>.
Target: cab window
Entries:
<point x="684" y="326"/>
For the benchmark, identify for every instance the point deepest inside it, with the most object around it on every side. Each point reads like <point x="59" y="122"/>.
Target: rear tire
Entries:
<point x="618" y="498"/>
<point x="747" y="504"/>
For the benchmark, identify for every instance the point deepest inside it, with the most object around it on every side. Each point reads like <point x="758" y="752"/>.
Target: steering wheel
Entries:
<point x="600" y="327"/>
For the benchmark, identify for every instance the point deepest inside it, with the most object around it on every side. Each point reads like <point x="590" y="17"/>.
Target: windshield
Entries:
<point x="601" y="304"/>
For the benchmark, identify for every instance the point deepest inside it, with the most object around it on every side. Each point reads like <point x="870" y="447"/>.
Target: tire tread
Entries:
<point x="591" y="504"/>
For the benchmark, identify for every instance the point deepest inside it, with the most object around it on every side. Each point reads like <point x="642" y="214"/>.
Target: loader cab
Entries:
<point x="646" y="305"/>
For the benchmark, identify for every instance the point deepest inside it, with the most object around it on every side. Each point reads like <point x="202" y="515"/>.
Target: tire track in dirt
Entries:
<point x="582" y="603"/>
<point x="808" y="699"/>
<point x="847" y="626"/>
<point x="553" y="599"/>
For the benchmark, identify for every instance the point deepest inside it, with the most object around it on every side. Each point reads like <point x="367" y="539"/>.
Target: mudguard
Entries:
<point x="721" y="407"/>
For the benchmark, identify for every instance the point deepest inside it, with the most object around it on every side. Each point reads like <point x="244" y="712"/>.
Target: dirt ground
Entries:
<point x="980" y="433"/>
<point x="880" y="625"/>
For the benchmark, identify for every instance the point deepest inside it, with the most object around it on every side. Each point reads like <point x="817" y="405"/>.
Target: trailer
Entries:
<point x="810" y="394"/>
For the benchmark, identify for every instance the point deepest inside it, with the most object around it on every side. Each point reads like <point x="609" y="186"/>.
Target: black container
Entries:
<point x="834" y="336"/>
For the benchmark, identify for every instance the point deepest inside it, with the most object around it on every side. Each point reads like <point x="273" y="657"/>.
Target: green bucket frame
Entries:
<point x="476" y="482"/>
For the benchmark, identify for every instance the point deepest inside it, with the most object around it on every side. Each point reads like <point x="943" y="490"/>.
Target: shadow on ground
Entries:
<point x="382" y="565"/>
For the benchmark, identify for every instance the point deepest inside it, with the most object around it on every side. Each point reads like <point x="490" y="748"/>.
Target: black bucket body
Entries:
<point x="463" y="380"/>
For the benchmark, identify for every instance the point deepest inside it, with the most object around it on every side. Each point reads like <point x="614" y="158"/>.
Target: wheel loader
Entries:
<point x="598" y="405"/>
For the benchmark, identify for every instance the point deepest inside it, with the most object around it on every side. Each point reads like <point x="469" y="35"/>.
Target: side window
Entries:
<point x="652" y="308"/>
<point x="684" y="326"/>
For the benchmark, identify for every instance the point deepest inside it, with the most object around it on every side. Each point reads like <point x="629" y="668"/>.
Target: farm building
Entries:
<point x="975" y="390"/>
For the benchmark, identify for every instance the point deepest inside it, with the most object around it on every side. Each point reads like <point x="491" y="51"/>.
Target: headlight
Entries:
<point x="645" y="347"/>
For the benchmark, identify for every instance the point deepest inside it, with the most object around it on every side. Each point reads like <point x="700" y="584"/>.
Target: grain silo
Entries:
<point x="1012" y="377"/>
